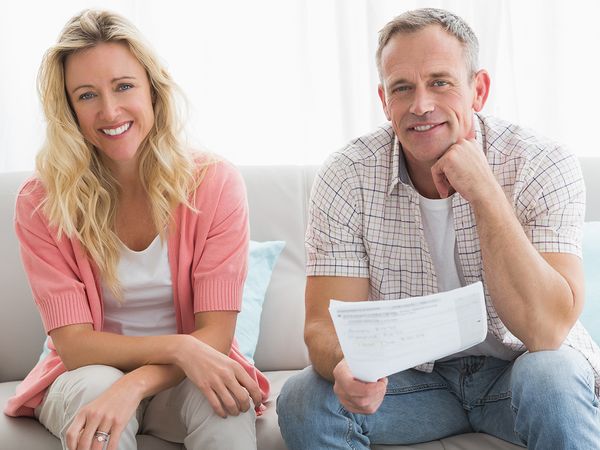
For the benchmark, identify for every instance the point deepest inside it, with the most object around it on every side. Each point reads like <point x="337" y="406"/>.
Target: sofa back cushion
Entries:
<point x="21" y="331"/>
<point x="278" y="198"/>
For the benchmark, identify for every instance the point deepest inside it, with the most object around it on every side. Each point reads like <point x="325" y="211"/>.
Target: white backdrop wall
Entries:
<point x="290" y="81"/>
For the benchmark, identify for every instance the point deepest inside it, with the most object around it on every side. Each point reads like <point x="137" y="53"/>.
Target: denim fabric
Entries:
<point x="543" y="400"/>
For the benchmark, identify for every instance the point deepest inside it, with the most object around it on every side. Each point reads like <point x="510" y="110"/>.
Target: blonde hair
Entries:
<point x="82" y="194"/>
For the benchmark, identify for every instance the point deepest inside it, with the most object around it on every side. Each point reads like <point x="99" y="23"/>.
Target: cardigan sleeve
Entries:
<point x="50" y="263"/>
<point x="221" y="244"/>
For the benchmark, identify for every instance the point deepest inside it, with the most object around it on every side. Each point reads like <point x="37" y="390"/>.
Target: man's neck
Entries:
<point x="420" y="176"/>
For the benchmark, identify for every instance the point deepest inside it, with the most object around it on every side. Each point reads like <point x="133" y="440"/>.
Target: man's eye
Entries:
<point x="87" y="96"/>
<point x="439" y="83"/>
<point x="124" y="86"/>
<point x="402" y="88"/>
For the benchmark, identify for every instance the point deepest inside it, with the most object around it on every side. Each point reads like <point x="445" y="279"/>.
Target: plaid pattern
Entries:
<point x="365" y="221"/>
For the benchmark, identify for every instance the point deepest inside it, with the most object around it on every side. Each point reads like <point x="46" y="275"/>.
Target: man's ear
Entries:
<point x="482" y="89"/>
<point x="381" y="93"/>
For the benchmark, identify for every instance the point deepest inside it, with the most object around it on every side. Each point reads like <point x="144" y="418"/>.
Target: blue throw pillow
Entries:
<point x="590" y="317"/>
<point x="262" y="259"/>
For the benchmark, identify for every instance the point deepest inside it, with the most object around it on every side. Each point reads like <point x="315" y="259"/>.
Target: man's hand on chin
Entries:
<point x="464" y="169"/>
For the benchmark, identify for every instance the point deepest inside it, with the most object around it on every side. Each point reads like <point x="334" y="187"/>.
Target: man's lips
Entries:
<point x="424" y="127"/>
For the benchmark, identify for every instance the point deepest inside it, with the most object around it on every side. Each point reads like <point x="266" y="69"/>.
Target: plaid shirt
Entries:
<point x="365" y="220"/>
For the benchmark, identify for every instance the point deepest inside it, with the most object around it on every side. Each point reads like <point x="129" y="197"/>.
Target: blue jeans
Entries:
<point x="542" y="400"/>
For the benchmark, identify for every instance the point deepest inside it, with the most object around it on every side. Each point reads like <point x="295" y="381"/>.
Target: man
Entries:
<point x="441" y="198"/>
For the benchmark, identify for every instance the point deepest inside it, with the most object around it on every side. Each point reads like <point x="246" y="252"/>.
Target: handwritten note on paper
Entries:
<point x="380" y="338"/>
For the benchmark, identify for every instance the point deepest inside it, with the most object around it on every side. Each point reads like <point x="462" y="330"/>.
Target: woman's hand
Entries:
<point x="109" y="413"/>
<point x="223" y="381"/>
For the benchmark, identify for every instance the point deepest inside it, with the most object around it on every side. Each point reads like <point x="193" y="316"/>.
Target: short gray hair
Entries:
<point x="416" y="20"/>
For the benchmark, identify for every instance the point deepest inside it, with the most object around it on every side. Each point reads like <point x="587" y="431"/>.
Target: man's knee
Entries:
<point x="551" y="374"/>
<point x="304" y="396"/>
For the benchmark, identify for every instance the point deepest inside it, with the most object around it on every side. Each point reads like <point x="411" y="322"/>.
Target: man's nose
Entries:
<point x="422" y="101"/>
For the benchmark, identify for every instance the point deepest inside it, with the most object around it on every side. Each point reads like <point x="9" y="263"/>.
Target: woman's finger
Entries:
<point x="215" y="403"/>
<point x="90" y="427"/>
<point x="229" y="403"/>
<point x="250" y="385"/>
<point x="240" y="395"/>
<point x="74" y="430"/>
<point x="115" y="435"/>
<point x="98" y="438"/>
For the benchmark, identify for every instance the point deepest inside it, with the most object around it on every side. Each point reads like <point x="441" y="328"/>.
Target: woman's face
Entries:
<point x="110" y="94"/>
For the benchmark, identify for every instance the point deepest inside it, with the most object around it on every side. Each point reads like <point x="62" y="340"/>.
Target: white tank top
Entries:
<point x="147" y="307"/>
<point x="438" y="226"/>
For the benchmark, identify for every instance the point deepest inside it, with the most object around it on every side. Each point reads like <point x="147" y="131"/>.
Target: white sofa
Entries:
<point x="278" y="199"/>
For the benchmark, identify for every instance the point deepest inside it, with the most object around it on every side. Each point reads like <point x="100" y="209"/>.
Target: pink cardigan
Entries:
<point x="207" y="255"/>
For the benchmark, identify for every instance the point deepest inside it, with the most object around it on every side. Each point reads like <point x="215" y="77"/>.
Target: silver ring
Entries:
<point x="101" y="436"/>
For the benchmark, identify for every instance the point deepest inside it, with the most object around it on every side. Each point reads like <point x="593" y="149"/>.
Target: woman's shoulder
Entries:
<point x="215" y="172"/>
<point x="31" y="191"/>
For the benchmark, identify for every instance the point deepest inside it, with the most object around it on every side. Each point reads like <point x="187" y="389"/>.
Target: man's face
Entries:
<point x="428" y="92"/>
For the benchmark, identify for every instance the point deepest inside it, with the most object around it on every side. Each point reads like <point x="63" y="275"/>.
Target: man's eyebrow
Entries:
<point x="114" y="80"/>
<point x="442" y="74"/>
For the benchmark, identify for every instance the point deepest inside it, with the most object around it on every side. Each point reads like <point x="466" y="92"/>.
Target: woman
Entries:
<point x="136" y="253"/>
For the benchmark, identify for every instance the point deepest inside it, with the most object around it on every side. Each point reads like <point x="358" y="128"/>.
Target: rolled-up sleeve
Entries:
<point x="553" y="204"/>
<point x="334" y="238"/>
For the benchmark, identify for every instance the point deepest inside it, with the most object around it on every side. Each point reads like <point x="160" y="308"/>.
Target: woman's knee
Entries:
<point x="88" y="382"/>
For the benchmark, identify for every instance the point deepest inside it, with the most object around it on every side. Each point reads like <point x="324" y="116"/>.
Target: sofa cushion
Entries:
<point x="590" y="317"/>
<point x="262" y="259"/>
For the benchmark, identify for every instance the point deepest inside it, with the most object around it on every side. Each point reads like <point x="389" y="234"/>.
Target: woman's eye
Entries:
<point x="87" y="96"/>
<point x="124" y="87"/>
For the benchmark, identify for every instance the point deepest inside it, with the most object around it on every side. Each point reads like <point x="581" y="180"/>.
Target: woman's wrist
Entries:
<point x="182" y="348"/>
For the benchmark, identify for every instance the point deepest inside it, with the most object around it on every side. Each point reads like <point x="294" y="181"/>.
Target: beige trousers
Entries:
<point x="180" y="414"/>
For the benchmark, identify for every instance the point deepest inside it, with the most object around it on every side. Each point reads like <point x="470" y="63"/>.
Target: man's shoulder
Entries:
<point x="371" y="150"/>
<point x="505" y="140"/>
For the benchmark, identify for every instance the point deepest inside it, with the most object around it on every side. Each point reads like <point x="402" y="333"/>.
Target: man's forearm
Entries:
<point x="323" y="349"/>
<point x="533" y="299"/>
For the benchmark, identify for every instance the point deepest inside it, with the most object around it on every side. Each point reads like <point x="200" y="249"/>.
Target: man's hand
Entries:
<point x="464" y="169"/>
<point x="355" y="395"/>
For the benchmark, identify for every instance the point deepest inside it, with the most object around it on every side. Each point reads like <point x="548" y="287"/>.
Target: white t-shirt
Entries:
<point x="438" y="226"/>
<point x="147" y="307"/>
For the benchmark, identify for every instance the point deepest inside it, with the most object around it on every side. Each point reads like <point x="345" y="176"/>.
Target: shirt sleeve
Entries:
<point x="221" y="263"/>
<point x="552" y="204"/>
<point x="50" y="264"/>
<point x="334" y="237"/>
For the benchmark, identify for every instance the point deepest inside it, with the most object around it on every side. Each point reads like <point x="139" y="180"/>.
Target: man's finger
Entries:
<point x="440" y="181"/>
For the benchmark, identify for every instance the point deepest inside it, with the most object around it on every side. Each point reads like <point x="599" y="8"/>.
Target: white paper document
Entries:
<point x="380" y="338"/>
